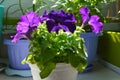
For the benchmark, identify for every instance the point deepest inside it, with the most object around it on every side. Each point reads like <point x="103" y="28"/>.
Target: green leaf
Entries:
<point x="78" y="62"/>
<point x="81" y="67"/>
<point x="48" y="55"/>
<point x="48" y="68"/>
<point x="74" y="60"/>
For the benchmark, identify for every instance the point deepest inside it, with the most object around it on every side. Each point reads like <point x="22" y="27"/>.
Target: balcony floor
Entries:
<point x="99" y="72"/>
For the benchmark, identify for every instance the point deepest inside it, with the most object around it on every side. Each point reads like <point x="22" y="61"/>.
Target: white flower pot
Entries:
<point x="61" y="72"/>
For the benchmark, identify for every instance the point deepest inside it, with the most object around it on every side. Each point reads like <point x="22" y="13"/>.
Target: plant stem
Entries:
<point x="82" y="26"/>
<point x="21" y="7"/>
<point x="1" y="1"/>
<point x="34" y="8"/>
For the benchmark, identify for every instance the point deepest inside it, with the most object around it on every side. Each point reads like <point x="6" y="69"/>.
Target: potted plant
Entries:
<point x="90" y="38"/>
<point x="9" y="30"/>
<point x="55" y="43"/>
<point x="16" y="51"/>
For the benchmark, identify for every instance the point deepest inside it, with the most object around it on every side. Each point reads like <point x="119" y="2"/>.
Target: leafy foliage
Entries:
<point x="48" y="49"/>
<point x="95" y="7"/>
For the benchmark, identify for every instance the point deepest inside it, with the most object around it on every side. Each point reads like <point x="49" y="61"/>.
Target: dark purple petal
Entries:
<point x="42" y="19"/>
<point x="58" y="27"/>
<point x="70" y="26"/>
<point x="65" y="28"/>
<point x="62" y="20"/>
<point x="45" y="13"/>
<point x="50" y="24"/>
<point x="52" y="15"/>
<point x="71" y="18"/>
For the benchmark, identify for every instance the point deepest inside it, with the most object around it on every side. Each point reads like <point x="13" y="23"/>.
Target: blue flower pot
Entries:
<point x="91" y="43"/>
<point x="16" y="53"/>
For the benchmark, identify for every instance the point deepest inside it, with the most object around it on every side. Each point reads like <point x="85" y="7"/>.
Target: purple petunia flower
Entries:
<point x="93" y="20"/>
<point x="85" y="14"/>
<point x="95" y="24"/>
<point x="27" y="24"/>
<point x="60" y="20"/>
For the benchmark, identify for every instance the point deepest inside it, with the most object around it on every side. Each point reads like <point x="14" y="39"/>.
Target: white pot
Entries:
<point x="61" y="72"/>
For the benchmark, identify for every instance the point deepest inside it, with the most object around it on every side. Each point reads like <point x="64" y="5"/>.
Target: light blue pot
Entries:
<point x="16" y="53"/>
<point x="91" y="43"/>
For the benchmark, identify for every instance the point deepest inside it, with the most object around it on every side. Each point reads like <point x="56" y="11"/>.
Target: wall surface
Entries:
<point x="7" y="3"/>
<point x="25" y="4"/>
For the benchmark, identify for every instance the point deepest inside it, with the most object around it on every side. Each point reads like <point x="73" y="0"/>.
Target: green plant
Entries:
<point x="48" y="49"/>
<point x="55" y="38"/>
<point x="95" y="7"/>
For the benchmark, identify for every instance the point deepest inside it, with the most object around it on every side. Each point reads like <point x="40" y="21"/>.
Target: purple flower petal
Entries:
<point x="50" y="25"/>
<point x="28" y="23"/>
<point x="61" y="20"/>
<point x="58" y="27"/>
<point x="70" y="26"/>
<point x="32" y="18"/>
<point x="85" y="18"/>
<point x="18" y="36"/>
<point x="95" y="24"/>
<point x="22" y="27"/>
<point x="71" y="18"/>
<point x="97" y="27"/>
<point x="84" y="11"/>
<point x="94" y="18"/>
<point x="23" y="18"/>
<point x="85" y="14"/>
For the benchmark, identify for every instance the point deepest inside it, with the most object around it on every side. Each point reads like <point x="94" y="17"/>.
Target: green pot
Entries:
<point x="109" y="47"/>
<point x="1" y="22"/>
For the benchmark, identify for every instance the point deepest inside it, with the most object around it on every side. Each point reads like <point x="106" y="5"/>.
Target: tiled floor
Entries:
<point x="99" y="72"/>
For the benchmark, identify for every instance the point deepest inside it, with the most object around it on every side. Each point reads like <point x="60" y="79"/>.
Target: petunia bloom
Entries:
<point x="95" y="24"/>
<point x="93" y="20"/>
<point x="85" y="14"/>
<point x="27" y="24"/>
<point x="60" y="20"/>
